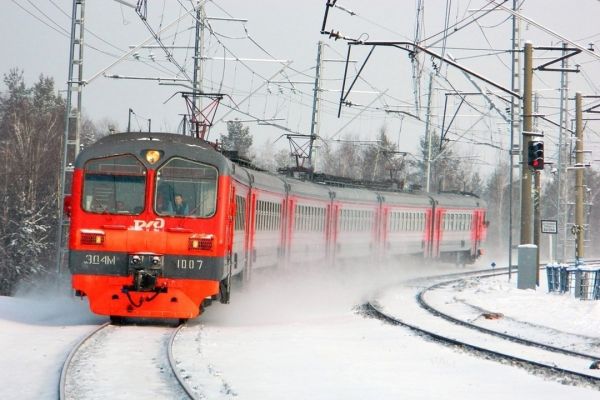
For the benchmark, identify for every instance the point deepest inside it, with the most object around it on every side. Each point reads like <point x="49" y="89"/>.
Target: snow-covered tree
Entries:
<point x="270" y="159"/>
<point x="31" y="131"/>
<point x="238" y="138"/>
<point x="25" y="245"/>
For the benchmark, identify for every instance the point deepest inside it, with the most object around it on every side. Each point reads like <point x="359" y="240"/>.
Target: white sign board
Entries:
<point x="549" y="226"/>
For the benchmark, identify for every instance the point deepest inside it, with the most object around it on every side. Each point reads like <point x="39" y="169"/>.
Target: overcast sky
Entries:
<point x="287" y="30"/>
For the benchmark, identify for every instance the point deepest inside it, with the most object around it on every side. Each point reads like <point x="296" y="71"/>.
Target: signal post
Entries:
<point x="526" y="237"/>
<point x="533" y="153"/>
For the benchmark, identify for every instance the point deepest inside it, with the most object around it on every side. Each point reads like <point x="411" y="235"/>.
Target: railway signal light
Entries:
<point x="535" y="153"/>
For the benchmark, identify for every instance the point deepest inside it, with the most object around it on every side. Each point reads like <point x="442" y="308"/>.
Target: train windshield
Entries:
<point x="114" y="185"/>
<point x="186" y="188"/>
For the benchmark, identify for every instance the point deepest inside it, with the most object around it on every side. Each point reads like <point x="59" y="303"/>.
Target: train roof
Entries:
<point x="267" y="181"/>
<point x="192" y="148"/>
<point x="354" y="194"/>
<point x="458" y="200"/>
<point x="170" y="144"/>
<point x="406" y="198"/>
<point x="306" y="188"/>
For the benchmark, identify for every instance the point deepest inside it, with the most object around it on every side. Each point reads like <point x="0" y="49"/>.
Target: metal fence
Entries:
<point x="582" y="282"/>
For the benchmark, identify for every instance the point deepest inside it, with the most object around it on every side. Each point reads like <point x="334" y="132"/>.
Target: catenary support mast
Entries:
<point x="514" y="125"/>
<point x="526" y="209"/>
<point x="72" y="133"/>
<point x="579" y="187"/>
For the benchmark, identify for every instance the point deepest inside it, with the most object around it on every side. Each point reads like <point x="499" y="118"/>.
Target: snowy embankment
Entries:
<point x="555" y="319"/>
<point x="297" y="337"/>
<point x="36" y="334"/>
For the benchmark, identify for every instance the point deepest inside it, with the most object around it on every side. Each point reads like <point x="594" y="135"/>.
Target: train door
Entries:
<point x="251" y="216"/>
<point x="427" y="243"/>
<point x="289" y="232"/>
<point x="477" y="231"/>
<point x="284" y="234"/>
<point x="328" y="230"/>
<point x="383" y="224"/>
<point x="437" y="234"/>
<point x="240" y="229"/>
<point x="334" y="229"/>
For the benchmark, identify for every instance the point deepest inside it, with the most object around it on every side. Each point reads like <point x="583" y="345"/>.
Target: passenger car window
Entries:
<point x="186" y="188"/>
<point x="114" y="185"/>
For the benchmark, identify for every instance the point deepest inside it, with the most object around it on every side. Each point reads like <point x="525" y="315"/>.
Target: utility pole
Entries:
<point x="578" y="229"/>
<point x="526" y="236"/>
<point x="561" y="167"/>
<point x="514" y="125"/>
<point x="429" y="133"/>
<point x="537" y="187"/>
<point x="72" y="132"/>
<point x="314" y="126"/>
<point x="198" y="64"/>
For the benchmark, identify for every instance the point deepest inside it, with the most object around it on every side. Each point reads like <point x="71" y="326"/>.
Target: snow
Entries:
<point x="298" y="336"/>
<point x="36" y="335"/>
<point x="562" y="311"/>
<point x="104" y="367"/>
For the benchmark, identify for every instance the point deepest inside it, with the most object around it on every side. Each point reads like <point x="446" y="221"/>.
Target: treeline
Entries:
<point x="31" y="143"/>
<point x="380" y="161"/>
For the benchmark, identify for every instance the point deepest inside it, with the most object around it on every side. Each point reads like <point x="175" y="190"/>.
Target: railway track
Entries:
<point x="115" y="361"/>
<point x="433" y="322"/>
<point x="421" y="299"/>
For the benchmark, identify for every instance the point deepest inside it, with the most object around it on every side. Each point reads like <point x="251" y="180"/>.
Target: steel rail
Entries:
<point x="378" y="313"/>
<point x="425" y="305"/>
<point x="62" y="395"/>
<point x="186" y="388"/>
<point x="375" y="309"/>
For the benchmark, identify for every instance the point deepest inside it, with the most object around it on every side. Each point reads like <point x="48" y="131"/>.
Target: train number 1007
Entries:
<point x="185" y="263"/>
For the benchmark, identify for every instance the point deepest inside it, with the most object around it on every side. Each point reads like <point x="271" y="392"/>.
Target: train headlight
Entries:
<point x="153" y="156"/>
<point x="92" y="238"/>
<point x="200" y="242"/>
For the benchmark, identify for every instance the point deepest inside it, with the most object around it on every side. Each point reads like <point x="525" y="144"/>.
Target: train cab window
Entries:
<point x="186" y="188"/>
<point x="114" y="185"/>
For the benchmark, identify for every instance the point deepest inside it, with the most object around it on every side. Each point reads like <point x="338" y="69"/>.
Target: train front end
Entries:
<point x="150" y="232"/>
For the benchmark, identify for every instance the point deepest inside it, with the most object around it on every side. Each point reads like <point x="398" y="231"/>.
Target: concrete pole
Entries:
<point x="537" y="186"/>
<point x="514" y="126"/>
<point x="315" y="123"/>
<point x="559" y="251"/>
<point x="526" y="237"/>
<point x="536" y="221"/>
<point x="579" y="232"/>
<point x="429" y="133"/>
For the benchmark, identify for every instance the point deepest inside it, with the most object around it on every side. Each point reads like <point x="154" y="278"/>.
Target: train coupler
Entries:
<point x="145" y="269"/>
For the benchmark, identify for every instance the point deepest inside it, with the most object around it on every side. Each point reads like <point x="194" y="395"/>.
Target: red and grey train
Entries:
<point x="161" y="223"/>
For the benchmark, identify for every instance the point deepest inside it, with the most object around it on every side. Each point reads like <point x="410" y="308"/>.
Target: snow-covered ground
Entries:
<point x="556" y="319"/>
<point x="298" y="336"/>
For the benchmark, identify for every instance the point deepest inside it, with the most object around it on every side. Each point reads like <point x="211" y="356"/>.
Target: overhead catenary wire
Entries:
<point x="64" y="32"/>
<point x="59" y="30"/>
<point x="242" y="63"/>
<point x="387" y="98"/>
<point x="454" y="28"/>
